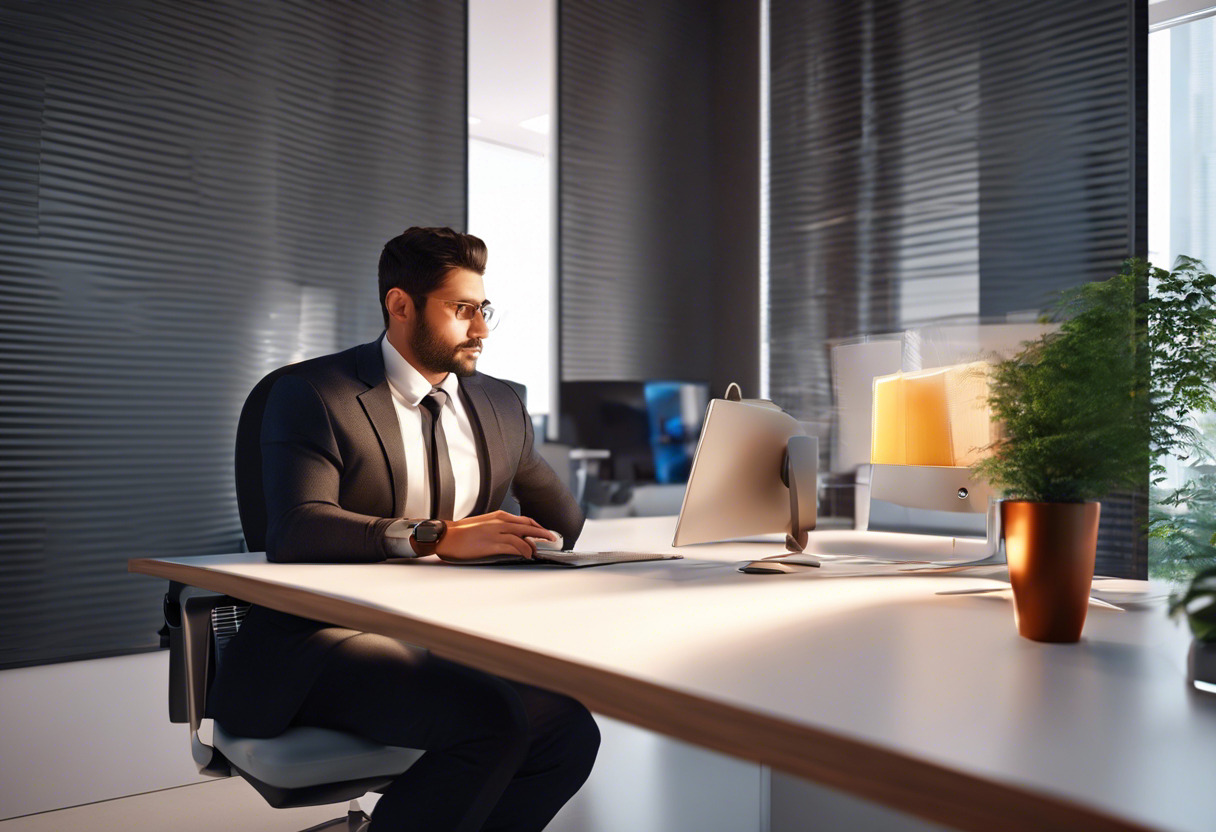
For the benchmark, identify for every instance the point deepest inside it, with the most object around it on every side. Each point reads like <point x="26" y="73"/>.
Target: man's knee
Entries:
<point x="588" y="738"/>
<point x="579" y="739"/>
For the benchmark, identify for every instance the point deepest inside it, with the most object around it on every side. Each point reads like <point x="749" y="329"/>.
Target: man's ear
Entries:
<point x="400" y="305"/>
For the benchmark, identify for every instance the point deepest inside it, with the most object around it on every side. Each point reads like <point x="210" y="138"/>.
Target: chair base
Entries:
<point x="317" y="795"/>
<point x="353" y="822"/>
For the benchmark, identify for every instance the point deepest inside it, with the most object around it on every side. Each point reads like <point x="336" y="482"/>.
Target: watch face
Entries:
<point x="428" y="531"/>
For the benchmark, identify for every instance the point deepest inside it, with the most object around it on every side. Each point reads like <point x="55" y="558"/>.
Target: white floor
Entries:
<point x="229" y="804"/>
<point x="642" y="782"/>
<point x="233" y="806"/>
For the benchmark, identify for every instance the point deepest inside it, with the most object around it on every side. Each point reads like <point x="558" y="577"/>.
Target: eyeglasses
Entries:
<point x="466" y="311"/>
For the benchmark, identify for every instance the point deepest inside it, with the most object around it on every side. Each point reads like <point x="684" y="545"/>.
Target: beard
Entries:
<point x="438" y="357"/>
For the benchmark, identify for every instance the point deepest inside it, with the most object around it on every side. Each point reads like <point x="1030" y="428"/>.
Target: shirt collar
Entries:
<point x="407" y="382"/>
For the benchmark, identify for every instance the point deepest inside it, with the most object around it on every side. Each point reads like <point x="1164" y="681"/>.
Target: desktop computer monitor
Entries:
<point x="753" y="473"/>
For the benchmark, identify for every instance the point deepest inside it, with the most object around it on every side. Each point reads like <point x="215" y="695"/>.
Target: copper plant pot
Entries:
<point x="1050" y="547"/>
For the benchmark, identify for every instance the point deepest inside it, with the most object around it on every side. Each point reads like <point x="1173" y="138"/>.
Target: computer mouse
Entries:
<point x="543" y="545"/>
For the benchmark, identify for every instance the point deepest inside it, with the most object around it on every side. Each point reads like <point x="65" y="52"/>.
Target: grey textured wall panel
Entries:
<point x="634" y="184"/>
<point x="193" y="193"/>
<point x="1058" y="143"/>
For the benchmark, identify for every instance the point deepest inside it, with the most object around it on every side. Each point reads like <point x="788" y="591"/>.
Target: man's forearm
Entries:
<point x="325" y="533"/>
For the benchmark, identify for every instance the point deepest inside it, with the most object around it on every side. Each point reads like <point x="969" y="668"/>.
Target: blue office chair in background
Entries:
<point x="303" y="766"/>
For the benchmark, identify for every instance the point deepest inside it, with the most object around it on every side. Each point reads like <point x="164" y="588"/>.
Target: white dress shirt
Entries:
<point x="409" y="388"/>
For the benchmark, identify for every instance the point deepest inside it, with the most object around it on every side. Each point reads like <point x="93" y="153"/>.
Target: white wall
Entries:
<point x="80" y="732"/>
<point x="645" y="781"/>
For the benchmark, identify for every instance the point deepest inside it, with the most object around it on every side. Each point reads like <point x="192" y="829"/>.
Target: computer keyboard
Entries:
<point x="570" y="559"/>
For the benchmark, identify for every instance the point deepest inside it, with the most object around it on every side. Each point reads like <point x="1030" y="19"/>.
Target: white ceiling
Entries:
<point x="511" y="72"/>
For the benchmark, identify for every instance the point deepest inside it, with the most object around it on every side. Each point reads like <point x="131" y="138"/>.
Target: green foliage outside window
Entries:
<point x="1183" y="520"/>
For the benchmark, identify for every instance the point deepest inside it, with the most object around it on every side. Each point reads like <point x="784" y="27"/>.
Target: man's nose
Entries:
<point x="478" y="327"/>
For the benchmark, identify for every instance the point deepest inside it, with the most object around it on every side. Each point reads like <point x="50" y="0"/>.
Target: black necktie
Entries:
<point x="443" y="482"/>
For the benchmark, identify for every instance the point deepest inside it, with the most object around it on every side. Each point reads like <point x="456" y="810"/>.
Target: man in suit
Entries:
<point x="399" y="448"/>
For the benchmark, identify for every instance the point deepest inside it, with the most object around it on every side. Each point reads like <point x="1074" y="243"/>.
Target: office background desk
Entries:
<point x="930" y="704"/>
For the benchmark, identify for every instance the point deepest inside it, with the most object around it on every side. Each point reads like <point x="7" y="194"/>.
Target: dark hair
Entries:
<point x="420" y="259"/>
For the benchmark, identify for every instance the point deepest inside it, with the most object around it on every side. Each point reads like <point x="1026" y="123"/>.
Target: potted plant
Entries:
<point x="1082" y="416"/>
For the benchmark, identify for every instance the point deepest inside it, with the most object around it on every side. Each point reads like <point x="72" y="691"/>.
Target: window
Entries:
<point x="511" y="83"/>
<point x="1182" y="218"/>
<point x="1182" y="141"/>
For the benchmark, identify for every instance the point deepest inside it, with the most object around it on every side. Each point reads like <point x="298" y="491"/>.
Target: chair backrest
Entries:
<point x="197" y="649"/>
<point x="250" y="496"/>
<point x="338" y="766"/>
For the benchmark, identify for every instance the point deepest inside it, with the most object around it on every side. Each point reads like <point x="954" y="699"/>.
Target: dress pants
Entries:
<point x="501" y="756"/>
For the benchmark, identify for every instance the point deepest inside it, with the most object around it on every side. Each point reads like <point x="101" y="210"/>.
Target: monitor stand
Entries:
<point x="800" y="473"/>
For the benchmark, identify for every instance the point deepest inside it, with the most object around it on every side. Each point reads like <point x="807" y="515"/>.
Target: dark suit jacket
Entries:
<point x="335" y="479"/>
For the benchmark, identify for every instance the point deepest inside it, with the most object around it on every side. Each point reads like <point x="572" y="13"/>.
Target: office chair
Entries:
<point x="303" y="766"/>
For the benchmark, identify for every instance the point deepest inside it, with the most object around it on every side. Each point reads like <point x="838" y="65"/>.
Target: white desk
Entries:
<point x="930" y="704"/>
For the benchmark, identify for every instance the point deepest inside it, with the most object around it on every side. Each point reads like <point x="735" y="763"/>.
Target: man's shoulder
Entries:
<point x="502" y="393"/>
<point x="335" y="368"/>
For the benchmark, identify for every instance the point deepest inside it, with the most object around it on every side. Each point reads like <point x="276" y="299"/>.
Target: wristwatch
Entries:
<point x="425" y="536"/>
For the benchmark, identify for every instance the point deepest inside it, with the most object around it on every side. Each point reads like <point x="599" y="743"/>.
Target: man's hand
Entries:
<point x="497" y="533"/>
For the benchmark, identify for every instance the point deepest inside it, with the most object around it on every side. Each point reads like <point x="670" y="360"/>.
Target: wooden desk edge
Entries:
<point x="922" y="788"/>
